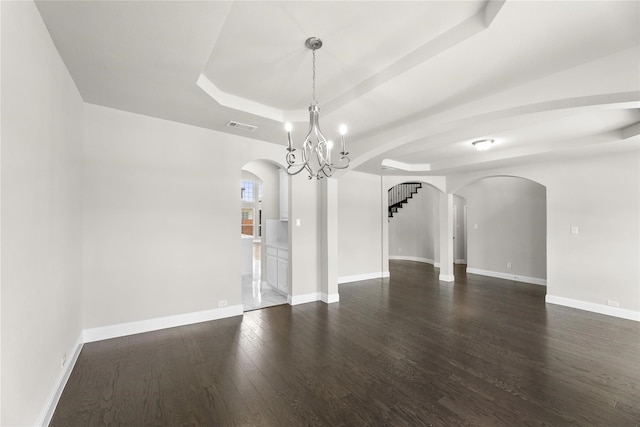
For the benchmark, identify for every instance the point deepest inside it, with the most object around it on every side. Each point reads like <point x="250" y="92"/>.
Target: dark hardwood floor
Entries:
<point x="404" y="351"/>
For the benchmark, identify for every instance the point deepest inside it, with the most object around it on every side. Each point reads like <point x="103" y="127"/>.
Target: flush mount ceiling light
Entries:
<point x="483" y="144"/>
<point x="316" y="149"/>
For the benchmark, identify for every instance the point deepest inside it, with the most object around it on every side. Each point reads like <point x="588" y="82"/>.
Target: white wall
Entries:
<point x="360" y="215"/>
<point x="304" y="239"/>
<point x="413" y="228"/>
<point x="159" y="199"/>
<point x="42" y="116"/>
<point x="510" y="216"/>
<point x="601" y="197"/>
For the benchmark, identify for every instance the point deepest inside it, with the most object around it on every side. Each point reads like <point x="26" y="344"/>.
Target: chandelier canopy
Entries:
<point x="316" y="149"/>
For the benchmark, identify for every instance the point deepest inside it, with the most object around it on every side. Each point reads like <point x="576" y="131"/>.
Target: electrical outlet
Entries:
<point x="222" y="303"/>
<point x="63" y="360"/>
<point x="613" y="303"/>
<point x="508" y="265"/>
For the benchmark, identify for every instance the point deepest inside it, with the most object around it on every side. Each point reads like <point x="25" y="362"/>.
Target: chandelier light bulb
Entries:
<point x="343" y="129"/>
<point x="288" y="126"/>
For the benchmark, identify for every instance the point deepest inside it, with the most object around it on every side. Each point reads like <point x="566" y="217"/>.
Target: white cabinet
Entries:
<point x="284" y="196"/>
<point x="272" y="271"/>
<point x="283" y="271"/>
<point x="278" y="269"/>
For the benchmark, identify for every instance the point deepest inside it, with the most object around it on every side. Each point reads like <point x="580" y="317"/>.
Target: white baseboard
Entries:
<point x="365" y="276"/>
<point x="124" y="329"/>
<point x="460" y="261"/>
<point x="436" y="264"/>
<point x="499" y="275"/>
<point x="54" y="397"/>
<point x="303" y="299"/>
<point x="313" y="297"/>
<point x="411" y="258"/>
<point x="593" y="307"/>
<point x="330" y="298"/>
<point x="446" y="277"/>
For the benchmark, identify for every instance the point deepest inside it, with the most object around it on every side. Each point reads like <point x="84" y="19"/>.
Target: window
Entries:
<point x="247" y="221"/>
<point x="246" y="191"/>
<point x="251" y="196"/>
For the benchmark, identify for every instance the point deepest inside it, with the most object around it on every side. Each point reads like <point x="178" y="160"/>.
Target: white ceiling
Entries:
<point x="416" y="81"/>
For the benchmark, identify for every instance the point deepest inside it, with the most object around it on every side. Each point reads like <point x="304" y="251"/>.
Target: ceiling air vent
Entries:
<point x="242" y="126"/>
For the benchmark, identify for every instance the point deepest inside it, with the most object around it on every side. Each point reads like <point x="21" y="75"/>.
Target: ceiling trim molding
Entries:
<point x="381" y="142"/>
<point x="409" y="167"/>
<point x="630" y="131"/>
<point x="447" y="40"/>
<point x="238" y="103"/>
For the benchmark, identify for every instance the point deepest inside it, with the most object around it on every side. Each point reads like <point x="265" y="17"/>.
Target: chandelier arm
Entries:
<point x="322" y="151"/>
<point x="327" y="172"/>
<point x="291" y="162"/>
<point x="307" y="153"/>
<point x="344" y="166"/>
<point x="296" y="172"/>
<point x="322" y="148"/>
<point x="305" y="158"/>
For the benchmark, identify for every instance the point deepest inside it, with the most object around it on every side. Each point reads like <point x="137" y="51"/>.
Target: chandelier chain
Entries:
<point x="315" y="102"/>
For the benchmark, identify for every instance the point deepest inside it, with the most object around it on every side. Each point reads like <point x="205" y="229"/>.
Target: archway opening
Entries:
<point x="413" y="222"/>
<point x="507" y="228"/>
<point x="263" y="231"/>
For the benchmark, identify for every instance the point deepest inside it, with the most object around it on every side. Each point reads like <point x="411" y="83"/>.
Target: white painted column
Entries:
<point x="446" y="237"/>
<point x="304" y="240"/>
<point x="384" y="228"/>
<point x="329" y="240"/>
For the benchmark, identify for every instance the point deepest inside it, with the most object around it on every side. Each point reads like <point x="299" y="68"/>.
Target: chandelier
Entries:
<point x="316" y="149"/>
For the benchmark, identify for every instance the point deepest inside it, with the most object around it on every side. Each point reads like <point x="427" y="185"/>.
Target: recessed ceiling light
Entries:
<point x="483" y="144"/>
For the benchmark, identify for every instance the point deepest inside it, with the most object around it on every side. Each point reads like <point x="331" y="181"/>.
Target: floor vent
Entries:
<point x="242" y="126"/>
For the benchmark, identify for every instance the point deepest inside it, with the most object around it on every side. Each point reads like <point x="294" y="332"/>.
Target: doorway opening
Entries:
<point x="507" y="228"/>
<point x="259" y="187"/>
<point x="413" y="228"/>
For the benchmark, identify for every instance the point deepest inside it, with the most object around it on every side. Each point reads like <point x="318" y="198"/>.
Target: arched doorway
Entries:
<point x="262" y="228"/>
<point x="507" y="228"/>
<point x="413" y="222"/>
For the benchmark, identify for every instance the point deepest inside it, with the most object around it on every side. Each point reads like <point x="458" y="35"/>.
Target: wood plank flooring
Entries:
<point x="404" y="351"/>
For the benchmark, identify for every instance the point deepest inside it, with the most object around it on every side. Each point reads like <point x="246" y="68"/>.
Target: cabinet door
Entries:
<point x="272" y="271"/>
<point x="283" y="275"/>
